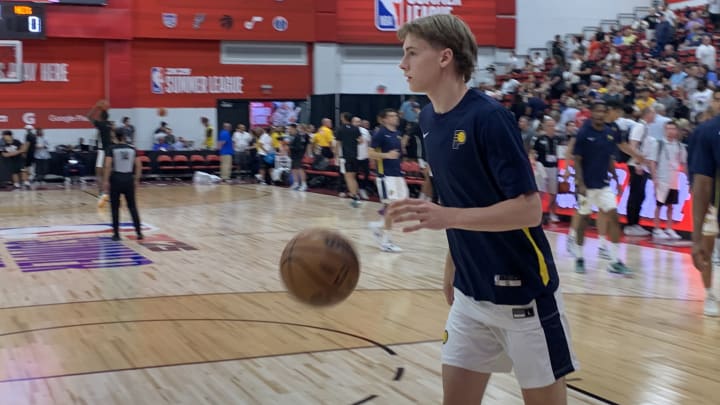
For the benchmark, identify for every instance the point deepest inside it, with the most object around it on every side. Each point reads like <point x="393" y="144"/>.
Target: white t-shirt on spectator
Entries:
<point x="363" y="147"/>
<point x="706" y="55"/>
<point x="700" y="101"/>
<point x="714" y="6"/>
<point x="640" y="133"/>
<point x="264" y="144"/>
<point x="241" y="141"/>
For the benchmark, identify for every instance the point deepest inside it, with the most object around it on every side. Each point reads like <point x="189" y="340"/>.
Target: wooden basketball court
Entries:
<point x="197" y="314"/>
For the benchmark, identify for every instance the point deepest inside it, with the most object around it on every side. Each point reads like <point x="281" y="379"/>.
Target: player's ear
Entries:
<point x="446" y="57"/>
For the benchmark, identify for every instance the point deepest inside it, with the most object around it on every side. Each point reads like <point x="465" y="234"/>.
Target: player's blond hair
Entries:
<point x="446" y="31"/>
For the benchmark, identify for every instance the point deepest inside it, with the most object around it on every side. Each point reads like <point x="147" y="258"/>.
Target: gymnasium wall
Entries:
<point x="539" y="21"/>
<point x="129" y="51"/>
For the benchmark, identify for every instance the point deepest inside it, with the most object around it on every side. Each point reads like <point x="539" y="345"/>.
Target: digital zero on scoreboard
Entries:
<point x="22" y="20"/>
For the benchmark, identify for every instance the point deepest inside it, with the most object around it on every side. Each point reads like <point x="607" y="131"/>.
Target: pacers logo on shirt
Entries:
<point x="459" y="139"/>
<point x="445" y="336"/>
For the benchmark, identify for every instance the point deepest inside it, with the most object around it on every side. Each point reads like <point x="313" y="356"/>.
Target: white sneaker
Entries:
<point x="711" y="307"/>
<point x="635" y="230"/>
<point x="570" y="246"/>
<point x="659" y="234"/>
<point x="363" y="194"/>
<point x="672" y="234"/>
<point x="303" y="187"/>
<point x="390" y="247"/>
<point x="377" y="233"/>
<point x="554" y="218"/>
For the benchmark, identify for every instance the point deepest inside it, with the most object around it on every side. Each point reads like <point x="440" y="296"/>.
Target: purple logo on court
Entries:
<point x="76" y="253"/>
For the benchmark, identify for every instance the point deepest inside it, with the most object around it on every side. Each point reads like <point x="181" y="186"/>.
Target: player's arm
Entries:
<point x="579" y="178"/>
<point x="448" y="279"/>
<point x="375" y="150"/>
<point x="701" y="188"/>
<point x="569" y="158"/>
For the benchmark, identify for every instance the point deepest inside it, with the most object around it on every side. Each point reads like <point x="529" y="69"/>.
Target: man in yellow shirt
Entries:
<point x="209" y="141"/>
<point x="324" y="138"/>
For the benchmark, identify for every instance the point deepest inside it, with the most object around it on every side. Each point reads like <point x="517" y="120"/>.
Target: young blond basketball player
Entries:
<point x="385" y="147"/>
<point x="500" y="278"/>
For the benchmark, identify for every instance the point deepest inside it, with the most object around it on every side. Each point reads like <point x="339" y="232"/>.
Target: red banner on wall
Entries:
<point x="259" y="20"/>
<point x="48" y="118"/>
<point x="377" y="21"/>
<point x="189" y="74"/>
<point x="58" y="73"/>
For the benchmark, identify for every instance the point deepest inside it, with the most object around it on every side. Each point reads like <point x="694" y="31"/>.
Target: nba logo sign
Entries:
<point x="156" y="80"/>
<point x="388" y="14"/>
<point x="280" y="23"/>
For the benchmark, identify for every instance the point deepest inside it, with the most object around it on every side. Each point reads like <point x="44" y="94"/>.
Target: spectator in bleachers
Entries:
<point x="706" y="53"/>
<point x="527" y="132"/>
<point x="557" y="79"/>
<point x="537" y="62"/>
<point x="665" y="98"/>
<point x="700" y="99"/>
<point x="663" y="35"/>
<point x="571" y="45"/>
<point x="558" y="50"/>
<point x="678" y="77"/>
<point x="644" y="100"/>
<point x="629" y="37"/>
<point x="409" y="109"/>
<point x="657" y="128"/>
<point x="510" y="86"/>
<point x="714" y="12"/>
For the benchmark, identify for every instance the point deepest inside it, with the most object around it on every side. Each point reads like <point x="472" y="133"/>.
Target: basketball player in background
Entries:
<point x="704" y="164"/>
<point x="209" y="141"/>
<point x="347" y="137"/>
<point x="122" y="173"/>
<point x="385" y="147"/>
<point x="594" y="156"/>
<point x="500" y="277"/>
<point x="620" y="128"/>
<point x="99" y="116"/>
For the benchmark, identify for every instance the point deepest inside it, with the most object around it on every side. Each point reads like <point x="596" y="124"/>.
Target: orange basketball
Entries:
<point x="162" y="112"/>
<point x="320" y="267"/>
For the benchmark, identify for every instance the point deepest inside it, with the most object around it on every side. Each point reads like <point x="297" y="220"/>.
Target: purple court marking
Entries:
<point x="76" y="253"/>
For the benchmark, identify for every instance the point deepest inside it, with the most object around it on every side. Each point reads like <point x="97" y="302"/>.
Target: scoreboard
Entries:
<point x="21" y="20"/>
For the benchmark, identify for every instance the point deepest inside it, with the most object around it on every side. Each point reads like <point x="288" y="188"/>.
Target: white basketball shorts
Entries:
<point x="392" y="188"/>
<point x="603" y="198"/>
<point x="532" y="339"/>
<point x="100" y="161"/>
